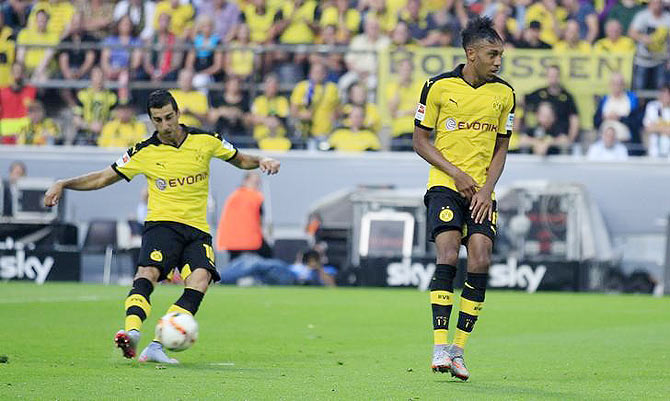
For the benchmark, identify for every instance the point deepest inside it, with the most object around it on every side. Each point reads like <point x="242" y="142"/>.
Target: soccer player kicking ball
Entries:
<point x="175" y="161"/>
<point x="472" y="112"/>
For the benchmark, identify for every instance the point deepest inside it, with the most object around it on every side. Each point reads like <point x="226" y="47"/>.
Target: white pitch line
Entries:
<point x="222" y="364"/>
<point x="82" y="298"/>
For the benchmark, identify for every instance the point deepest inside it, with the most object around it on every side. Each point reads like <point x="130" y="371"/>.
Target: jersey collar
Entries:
<point x="156" y="140"/>
<point x="458" y="71"/>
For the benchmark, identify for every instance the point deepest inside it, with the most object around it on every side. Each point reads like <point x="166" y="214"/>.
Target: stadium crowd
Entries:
<point x="298" y="74"/>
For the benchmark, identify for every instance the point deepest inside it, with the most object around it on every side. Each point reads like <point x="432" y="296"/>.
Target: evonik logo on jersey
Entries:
<point x="451" y="124"/>
<point x="162" y="183"/>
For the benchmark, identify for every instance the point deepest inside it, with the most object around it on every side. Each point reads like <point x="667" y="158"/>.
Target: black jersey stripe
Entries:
<point x="116" y="170"/>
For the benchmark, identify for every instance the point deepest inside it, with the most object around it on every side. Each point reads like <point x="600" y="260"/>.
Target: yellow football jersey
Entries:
<point x="346" y="140"/>
<point x="177" y="176"/>
<point x="622" y="45"/>
<point x="467" y="121"/>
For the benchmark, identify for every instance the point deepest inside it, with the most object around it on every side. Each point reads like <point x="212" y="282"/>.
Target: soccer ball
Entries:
<point x="177" y="331"/>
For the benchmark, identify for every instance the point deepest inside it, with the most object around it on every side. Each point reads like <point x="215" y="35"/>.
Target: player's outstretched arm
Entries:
<point x="246" y="161"/>
<point x="424" y="148"/>
<point x="86" y="182"/>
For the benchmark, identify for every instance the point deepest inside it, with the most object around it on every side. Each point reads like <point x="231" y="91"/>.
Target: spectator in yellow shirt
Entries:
<point x="239" y="60"/>
<point x="96" y="105"/>
<point x="40" y="130"/>
<point x="298" y="23"/>
<point x="314" y="103"/>
<point x="358" y="97"/>
<point x="355" y="138"/>
<point x="193" y="105"/>
<point x="571" y="40"/>
<point x="60" y="13"/>
<point x="7" y="47"/>
<point x="269" y="111"/>
<point x="123" y="131"/>
<point x="614" y="41"/>
<point x="551" y="18"/>
<point x="37" y="60"/>
<point x="402" y="107"/>
<point x="275" y="142"/>
<point x="347" y="21"/>
<point x="181" y="16"/>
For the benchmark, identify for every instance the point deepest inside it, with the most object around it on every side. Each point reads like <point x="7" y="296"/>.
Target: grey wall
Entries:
<point x="633" y="196"/>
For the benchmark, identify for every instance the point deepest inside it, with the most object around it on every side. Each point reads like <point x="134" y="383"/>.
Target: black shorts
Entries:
<point x="167" y="245"/>
<point x="449" y="210"/>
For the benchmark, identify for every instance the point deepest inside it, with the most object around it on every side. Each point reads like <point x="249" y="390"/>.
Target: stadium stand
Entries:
<point x="84" y="59"/>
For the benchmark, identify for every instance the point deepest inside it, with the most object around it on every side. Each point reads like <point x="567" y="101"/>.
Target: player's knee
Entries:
<point x="479" y="262"/>
<point x="199" y="280"/>
<point x="148" y="272"/>
<point x="447" y="256"/>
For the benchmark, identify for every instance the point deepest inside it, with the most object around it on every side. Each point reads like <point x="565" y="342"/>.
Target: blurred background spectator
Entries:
<point x="614" y="41"/>
<point x="203" y="59"/>
<point x="355" y="137"/>
<point x="40" y="130"/>
<point x="163" y="61"/>
<point x="229" y="112"/>
<point x="140" y="13"/>
<point x="94" y="110"/>
<point x="240" y="228"/>
<point x="269" y="111"/>
<point x="123" y="131"/>
<point x="314" y="103"/>
<point x="75" y="63"/>
<point x="649" y="29"/>
<point x="609" y="147"/>
<point x="98" y="17"/>
<point x="121" y="57"/>
<point x="7" y="49"/>
<point x="37" y="61"/>
<point x="545" y="138"/>
<point x="402" y="106"/>
<point x="193" y="104"/>
<point x="14" y="101"/>
<point x="623" y="106"/>
<point x="17" y="169"/>
<point x="565" y="122"/>
<point x="657" y="124"/>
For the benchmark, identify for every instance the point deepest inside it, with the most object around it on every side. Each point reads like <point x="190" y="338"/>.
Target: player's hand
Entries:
<point x="269" y="166"/>
<point x="465" y="185"/>
<point x="53" y="194"/>
<point x="481" y="206"/>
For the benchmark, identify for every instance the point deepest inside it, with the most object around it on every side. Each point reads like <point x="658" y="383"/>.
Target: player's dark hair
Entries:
<point x="310" y="255"/>
<point x="160" y="98"/>
<point x="479" y="28"/>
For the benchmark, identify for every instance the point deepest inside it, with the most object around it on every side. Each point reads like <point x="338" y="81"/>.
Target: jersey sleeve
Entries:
<point x="223" y="149"/>
<point x="129" y="164"/>
<point x="428" y="108"/>
<point x="506" y="122"/>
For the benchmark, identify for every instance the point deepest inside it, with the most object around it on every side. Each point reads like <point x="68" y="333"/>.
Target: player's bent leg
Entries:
<point x="442" y="296"/>
<point x="472" y="299"/>
<point x="138" y="308"/>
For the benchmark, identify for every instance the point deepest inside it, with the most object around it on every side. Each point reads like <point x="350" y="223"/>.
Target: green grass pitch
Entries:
<point x="340" y="344"/>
